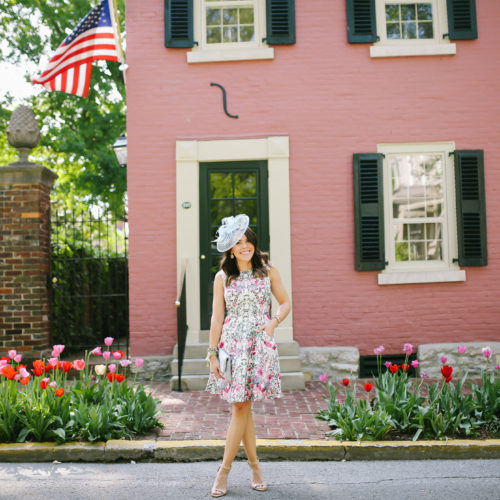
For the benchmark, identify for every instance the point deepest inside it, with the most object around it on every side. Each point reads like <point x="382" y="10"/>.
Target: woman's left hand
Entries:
<point x="268" y="327"/>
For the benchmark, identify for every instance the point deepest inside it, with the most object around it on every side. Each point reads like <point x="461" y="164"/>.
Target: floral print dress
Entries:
<point x="255" y="363"/>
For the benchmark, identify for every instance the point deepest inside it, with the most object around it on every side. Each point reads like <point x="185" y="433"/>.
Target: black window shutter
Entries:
<point x="462" y="20"/>
<point x="471" y="208"/>
<point x="280" y="21"/>
<point x="369" y="211"/>
<point x="361" y="21"/>
<point x="179" y="23"/>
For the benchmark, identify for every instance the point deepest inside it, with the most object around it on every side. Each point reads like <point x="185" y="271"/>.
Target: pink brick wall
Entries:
<point x="332" y="100"/>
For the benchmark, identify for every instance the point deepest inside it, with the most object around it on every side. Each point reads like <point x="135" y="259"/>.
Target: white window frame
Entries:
<point x="415" y="47"/>
<point x="418" y="271"/>
<point x="240" y="51"/>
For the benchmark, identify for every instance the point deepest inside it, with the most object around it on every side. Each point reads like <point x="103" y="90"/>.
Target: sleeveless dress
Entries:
<point x="255" y="363"/>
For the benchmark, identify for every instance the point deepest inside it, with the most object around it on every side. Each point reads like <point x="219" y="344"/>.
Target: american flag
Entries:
<point x="95" y="37"/>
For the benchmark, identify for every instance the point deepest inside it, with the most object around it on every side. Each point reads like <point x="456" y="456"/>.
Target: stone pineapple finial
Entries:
<point x="23" y="132"/>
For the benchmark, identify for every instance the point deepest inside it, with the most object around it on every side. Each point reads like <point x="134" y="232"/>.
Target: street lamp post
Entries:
<point x="120" y="148"/>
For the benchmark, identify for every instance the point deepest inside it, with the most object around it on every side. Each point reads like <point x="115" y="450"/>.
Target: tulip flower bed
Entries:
<point x="400" y="407"/>
<point x="41" y="404"/>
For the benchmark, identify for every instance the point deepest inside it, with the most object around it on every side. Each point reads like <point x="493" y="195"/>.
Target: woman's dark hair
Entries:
<point x="259" y="261"/>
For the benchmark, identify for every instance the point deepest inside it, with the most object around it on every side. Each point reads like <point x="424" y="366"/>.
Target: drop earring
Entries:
<point x="232" y="256"/>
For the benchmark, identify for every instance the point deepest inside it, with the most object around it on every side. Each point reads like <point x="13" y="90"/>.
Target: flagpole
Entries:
<point x="118" y="32"/>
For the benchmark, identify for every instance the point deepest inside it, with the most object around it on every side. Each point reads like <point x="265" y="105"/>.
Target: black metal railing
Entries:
<point x="89" y="280"/>
<point x="182" y="326"/>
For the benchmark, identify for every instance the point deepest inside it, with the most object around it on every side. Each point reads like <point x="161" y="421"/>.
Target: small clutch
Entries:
<point x="226" y="363"/>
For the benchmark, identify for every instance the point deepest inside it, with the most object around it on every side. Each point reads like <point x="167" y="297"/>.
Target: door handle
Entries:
<point x="202" y="257"/>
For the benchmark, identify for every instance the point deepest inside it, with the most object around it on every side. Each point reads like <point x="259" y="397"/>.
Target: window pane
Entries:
<point x="425" y="30"/>
<point x="409" y="30"/>
<point x="245" y="185"/>
<point x="214" y="35"/>
<point x="213" y="17"/>
<point x="221" y="185"/>
<point x="246" y="16"/>
<point x="246" y="34"/>
<point x="392" y="12"/>
<point x="230" y="35"/>
<point x="417" y="250"/>
<point x="417" y="232"/>
<point x="402" y="252"/>
<point x="393" y="31"/>
<point x="408" y="12"/>
<point x="424" y="11"/>
<point x="230" y="16"/>
<point x="248" y="207"/>
<point x="434" y="250"/>
<point x="220" y="209"/>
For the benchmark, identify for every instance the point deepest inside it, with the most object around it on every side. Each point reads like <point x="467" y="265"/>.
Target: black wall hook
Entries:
<point x="224" y="101"/>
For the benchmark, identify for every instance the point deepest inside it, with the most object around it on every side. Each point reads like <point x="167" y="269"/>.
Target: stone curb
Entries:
<point x="268" y="449"/>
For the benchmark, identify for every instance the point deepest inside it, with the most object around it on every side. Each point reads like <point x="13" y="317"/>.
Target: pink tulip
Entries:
<point x="323" y="377"/>
<point x="12" y="353"/>
<point x="97" y="351"/>
<point x="408" y="349"/>
<point x="78" y="364"/>
<point x="462" y="349"/>
<point x="424" y="375"/>
<point x="444" y="359"/>
<point x="46" y="380"/>
<point x="53" y="362"/>
<point x="117" y="355"/>
<point x="387" y="364"/>
<point x="414" y="363"/>
<point x="108" y="341"/>
<point x="18" y="357"/>
<point x="138" y="362"/>
<point x="112" y="368"/>
<point x="17" y="376"/>
<point x="497" y="367"/>
<point x="53" y="384"/>
<point x="3" y="362"/>
<point x="57" y="350"/>
<point x="106" y="355"/>
<point x="379" y="350"/>
<point x="125" y="362"/>
<point x="487" y="352"/>
<point x="23" y="372"/>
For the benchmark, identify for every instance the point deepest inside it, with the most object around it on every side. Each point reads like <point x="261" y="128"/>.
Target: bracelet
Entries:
<point x="212" y="351"/>
<point x="277" y="316"/>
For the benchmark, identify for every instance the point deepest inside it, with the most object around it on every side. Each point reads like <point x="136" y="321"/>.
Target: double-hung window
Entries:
<point x="419" y="212"/>
<point x="411" y="27"/>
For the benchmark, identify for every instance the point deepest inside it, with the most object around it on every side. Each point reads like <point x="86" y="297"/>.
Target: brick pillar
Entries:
<point x="25" y="256"/>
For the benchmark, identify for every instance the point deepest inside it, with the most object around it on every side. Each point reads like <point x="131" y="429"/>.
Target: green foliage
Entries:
<point x="399" y="406"/>
<point x="90" y="409"/>
<point x="77" y="133"/>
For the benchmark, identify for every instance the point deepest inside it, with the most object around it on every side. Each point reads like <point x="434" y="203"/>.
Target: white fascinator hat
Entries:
<point x="231" y="230"/>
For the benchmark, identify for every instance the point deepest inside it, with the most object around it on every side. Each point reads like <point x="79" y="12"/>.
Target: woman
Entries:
<point x="243" y="288"/>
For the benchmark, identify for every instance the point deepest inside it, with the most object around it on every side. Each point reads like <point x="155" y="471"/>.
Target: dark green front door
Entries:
<point x="228" y="188"/>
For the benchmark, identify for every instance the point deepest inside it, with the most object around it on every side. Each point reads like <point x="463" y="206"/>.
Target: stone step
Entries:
<point x="199" y="366"/>
<point x="196" y="351"/>
<point x="289" y="381"/>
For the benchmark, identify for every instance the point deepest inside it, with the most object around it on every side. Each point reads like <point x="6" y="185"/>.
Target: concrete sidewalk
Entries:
<point x="286" y="428"/>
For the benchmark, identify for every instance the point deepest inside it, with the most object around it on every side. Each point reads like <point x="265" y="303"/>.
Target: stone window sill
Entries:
<point x="403" y="277"/>
<point x="229" y="54"/>
<point x="401" y="50"/>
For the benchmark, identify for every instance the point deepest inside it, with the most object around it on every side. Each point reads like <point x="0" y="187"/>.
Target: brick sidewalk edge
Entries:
<point x="268" y="449"/>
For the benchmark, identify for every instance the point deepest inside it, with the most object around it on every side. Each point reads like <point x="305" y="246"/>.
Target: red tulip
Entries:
<point x="393" y="368"/>
<point x="368" y="387"/>
<point x="39" y="367"/>
<point x="8" y="371"/>
<point x="446" y="370"/>
<point x="345" y="381"/>
<point x="44" y="384"/>
<point x="405" y="367"/>
<point x="120" y="378"/>
<point x="24" y="381"/>
<point x="59" y="392"/>
<point x="447" y="379"/>
<point x="118" y="354"/>
<point x="66" y="366"/>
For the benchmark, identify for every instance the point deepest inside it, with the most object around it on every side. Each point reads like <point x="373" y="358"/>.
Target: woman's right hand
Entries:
<point x="215" y="366"/>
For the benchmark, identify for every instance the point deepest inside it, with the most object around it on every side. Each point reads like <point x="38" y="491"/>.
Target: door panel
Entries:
<point x="228" y="188"/>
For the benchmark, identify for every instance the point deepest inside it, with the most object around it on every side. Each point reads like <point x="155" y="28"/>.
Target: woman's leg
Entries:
<point x="235" y="432"/>
<point x="250" y="445"/>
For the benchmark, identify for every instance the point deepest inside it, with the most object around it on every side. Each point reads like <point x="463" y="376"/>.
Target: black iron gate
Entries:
<point x="89" y="280"/>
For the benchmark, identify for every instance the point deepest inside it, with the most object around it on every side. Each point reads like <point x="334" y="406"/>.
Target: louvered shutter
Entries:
<point x="368" y="212"/>
<point x="462" y="21"/>
<point x="361" y="21"/>
<point x="280" y="22"/>
<point x="178" y="23"/>
<point x="471" y="208"/>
